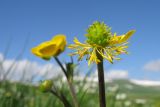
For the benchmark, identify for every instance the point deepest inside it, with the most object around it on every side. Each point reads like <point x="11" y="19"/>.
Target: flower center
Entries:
<point x="99" y="34"/>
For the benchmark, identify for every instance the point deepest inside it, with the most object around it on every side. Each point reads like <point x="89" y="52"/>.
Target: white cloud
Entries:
<point x="112" y="74"/>
<point x="27" y="70"/>
<point x="92" y="80"/>
<point x="145" y="82"/>
<point x="117" y="74"/>
<point x="152" y="66"/>
<point x="1" y="57"/>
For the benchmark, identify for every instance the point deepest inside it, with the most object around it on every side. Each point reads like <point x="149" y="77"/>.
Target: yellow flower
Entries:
<point x="51" y="48"/>
<point x="100" y="40"/>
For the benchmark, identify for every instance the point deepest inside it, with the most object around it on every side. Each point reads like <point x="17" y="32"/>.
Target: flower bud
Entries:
<point x="46" y="85"/>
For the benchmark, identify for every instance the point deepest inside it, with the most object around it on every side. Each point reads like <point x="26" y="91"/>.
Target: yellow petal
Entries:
<point x="35" y="51"/>
<point x="72" y="46"/>
<point x="60" y="41"/>
<point x="50" y="48"/>
<point x="121" y="39"/>
<point x="93" y="57"/>
<point x="76" y="41"/>
<point x="82" y="53"/>
<point x="109" y="58"/>
<point x="46" y="49"/>
<point x="59" y="37"/>
<point x="128" y="35"/>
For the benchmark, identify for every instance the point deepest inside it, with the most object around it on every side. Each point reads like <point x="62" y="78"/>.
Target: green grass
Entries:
<point x="22" y="95"/>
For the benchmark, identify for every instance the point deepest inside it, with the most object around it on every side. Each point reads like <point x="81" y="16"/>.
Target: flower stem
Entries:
<point x="60" y="64"/>
<point x="72" y="91"/>
<point x="102" y="98"/>
<point x="62" y="98"/>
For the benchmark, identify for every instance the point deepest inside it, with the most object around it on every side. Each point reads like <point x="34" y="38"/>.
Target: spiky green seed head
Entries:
<point x="98" y="33"/>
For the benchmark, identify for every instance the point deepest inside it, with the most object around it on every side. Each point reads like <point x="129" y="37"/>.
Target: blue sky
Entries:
<point x="38" y="21"/>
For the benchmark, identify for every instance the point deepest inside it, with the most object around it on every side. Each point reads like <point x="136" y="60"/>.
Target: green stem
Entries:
<point x="62" y="98"/>
<point x="72" y="91"/>
<point x="102" y="98"/>
<point x="60" y="64"/>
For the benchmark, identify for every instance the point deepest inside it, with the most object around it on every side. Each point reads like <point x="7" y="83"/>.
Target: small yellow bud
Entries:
<point x="46" y="85"/>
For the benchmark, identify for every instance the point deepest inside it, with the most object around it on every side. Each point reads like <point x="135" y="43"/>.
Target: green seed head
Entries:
<point x="98" y="33"/>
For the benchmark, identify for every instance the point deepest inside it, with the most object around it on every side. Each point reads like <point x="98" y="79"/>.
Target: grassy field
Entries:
<point x="120" y="93"/>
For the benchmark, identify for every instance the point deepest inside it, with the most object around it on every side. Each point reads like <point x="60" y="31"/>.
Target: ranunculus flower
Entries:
<point x="100" y="39"/>
<point x="51" y="48"/>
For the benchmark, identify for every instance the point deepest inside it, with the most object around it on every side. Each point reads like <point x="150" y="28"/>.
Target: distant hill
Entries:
<point x="136" y="90"/>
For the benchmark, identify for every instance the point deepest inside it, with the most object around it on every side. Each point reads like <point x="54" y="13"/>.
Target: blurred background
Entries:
<point x="132" y="82"/>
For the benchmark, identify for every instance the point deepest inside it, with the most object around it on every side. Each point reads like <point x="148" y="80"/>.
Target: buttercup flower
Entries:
<point x="51" y="48"/>
<point x="101" y="40"/>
